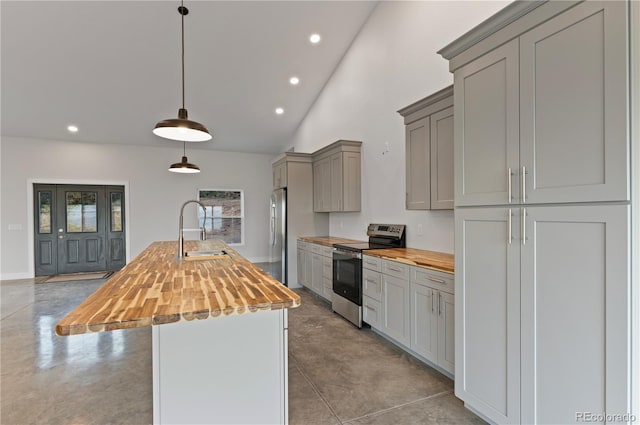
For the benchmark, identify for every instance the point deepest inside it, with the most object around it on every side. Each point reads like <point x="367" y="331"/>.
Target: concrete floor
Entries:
<point x="337" y="373"/>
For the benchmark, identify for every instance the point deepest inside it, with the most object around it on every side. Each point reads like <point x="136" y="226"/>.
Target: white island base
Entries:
<point x="225" y="370"/>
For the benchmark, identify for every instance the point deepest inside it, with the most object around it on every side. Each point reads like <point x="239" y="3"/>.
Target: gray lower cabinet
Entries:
<point x="432" y="317"/>
<point x="315" y="268"/>
<point x="304" y="264"/>
<point x="543" y="118"/>
<point x="545" y="292"/>
<point x="429" y="152"/>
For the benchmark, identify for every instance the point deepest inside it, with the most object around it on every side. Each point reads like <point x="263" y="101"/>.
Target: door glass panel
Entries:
<point x="116" y="212"/>
<point x="81" y="212"/>
<point x="44" y="209"/>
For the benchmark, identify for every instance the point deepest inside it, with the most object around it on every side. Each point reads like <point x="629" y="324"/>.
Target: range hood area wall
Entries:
<point x="155" y="195"/>
<point x="391" y="64"/>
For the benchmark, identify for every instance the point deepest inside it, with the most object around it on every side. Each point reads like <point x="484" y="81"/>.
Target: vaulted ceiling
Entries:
<point x="112" y="68"/>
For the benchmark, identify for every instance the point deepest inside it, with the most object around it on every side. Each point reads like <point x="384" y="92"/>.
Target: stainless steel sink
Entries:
<point x="205" y="253"/>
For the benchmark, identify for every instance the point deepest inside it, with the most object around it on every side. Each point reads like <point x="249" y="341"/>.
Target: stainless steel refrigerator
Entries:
<point x="278" y="235"/>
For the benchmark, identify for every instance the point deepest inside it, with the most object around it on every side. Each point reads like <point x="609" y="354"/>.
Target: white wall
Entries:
<point x="391" y="64"/>
<point x="155" y="195"/>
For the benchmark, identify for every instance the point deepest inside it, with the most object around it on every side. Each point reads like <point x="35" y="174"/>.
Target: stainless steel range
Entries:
<point x="347" y="268"/>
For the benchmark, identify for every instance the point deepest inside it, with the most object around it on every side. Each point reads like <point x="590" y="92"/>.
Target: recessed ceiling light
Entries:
<point x="72" y="129"/>
<point x="279" y="111"/>
<point x="315" y="38"/>
<point x="294" y="81"/>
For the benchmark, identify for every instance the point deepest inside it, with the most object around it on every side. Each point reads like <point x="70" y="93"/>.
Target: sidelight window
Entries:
<point x="225" y="214"/>
<point x="44" y="212"/>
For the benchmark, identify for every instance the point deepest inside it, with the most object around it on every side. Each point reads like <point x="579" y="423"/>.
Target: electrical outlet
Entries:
<point x="14" y="227"/>
<point x="419" y="229"/>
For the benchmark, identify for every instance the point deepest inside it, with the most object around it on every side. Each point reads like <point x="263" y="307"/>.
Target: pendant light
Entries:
<point x="184" y="166"/>
<point x="182" y="128"/>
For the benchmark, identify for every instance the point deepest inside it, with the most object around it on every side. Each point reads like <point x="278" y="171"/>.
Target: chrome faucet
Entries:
<point x="203" y="231"/>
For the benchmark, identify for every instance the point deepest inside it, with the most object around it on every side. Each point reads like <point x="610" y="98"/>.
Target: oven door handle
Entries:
<point x="349" y="254"/>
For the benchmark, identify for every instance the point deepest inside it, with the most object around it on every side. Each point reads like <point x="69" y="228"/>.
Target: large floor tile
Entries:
<point x="438" y="410"/>
<point x="306" y="407"/>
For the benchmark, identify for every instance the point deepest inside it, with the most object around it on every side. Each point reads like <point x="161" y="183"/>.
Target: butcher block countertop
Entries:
<point x="416" y="257"/>
<point x="326" y="240"/>
<point x="157" y="288"/>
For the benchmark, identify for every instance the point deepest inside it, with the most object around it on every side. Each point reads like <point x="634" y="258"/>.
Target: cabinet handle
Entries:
<point x="524" y="226"/>
<point x="370" y="308"/>
<point x="431" y="296"/>
<point x="433" y="279"/>
<point x="510" y="236"/>
<point x="509" y="178"/>
<point x="439" y="302"/>
<point x="524" y="184"/>
<point x="395" y="269"/>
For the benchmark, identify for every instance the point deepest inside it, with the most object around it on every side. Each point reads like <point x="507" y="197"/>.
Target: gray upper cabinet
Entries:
<point x="279" y="171"/>
<point x="543" y="117"/>
<point x="486" y="111"/>
<point x="429" y="152"/>
<point x="337" y="177"/>
<point x="573" y="106"/>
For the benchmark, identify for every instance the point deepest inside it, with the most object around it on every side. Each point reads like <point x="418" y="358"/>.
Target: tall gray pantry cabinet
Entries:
<point x="542" y="212"/>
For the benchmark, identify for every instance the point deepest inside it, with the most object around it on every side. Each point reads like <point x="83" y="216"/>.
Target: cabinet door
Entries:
<point x="441" y="142"/>
<point x="424" y="322"/>
<point x="307" y="268"/>
<point x="396" y="309"/>
<point x="317" y="187"/>
<point x="487" y="317"/>
<point x="573" y="106"/>
<point x="575" y="312"/>
<point x="486" y="124"/>
<point x="351" y="182"/>
<point x="336" y="181"/>
<point x="417" y="158"/>
<point x="446" y="332"/>
<point x="301" y="267"/>
<point x="317" y="278"/>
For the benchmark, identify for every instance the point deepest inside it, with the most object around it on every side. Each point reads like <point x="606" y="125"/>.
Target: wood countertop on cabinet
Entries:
<point x="157" y="288"/>
<point x="439" y="261"/>
<point x="326" y="240"/>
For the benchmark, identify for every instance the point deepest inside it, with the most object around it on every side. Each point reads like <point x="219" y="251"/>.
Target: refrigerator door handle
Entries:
<point x="273" y="224"/>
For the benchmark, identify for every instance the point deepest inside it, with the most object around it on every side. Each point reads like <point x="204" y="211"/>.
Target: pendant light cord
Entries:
<point x="182" y="13"/>
<point x="184" y="148"/>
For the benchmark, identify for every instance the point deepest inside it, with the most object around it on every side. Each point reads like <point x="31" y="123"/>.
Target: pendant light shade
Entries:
<point x="184" y="166"/>
<point x="182" y="128"/>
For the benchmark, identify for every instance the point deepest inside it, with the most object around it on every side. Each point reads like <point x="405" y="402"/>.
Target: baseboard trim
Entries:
<point x="16" y="276"/>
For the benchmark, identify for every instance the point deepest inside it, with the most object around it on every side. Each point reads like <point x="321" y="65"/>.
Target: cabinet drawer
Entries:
<point x="372" y="263"/>
<point x="393" y="268"/>
<point x="372" y="284"/>
<point x="326" y="251"/>
<point x="316" y="249"/>
<point x="372" y="312"/>
<point x="327" y="268"/>
<point x="433" y="279"/>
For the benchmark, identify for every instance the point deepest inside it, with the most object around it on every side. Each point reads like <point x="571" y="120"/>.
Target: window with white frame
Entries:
<point x="225" y="214"/>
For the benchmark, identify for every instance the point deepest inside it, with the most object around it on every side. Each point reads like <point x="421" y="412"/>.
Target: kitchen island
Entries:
<point x="232" y="369"/>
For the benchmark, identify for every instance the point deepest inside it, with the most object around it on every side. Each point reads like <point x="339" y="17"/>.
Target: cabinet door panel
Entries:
<point x="317" y="279"/>
<point x="424" y="322"/>
<point x="487" y="318"/>
<point x="336" y="182"/>
<point x="446" y="333"/>
<point x="351" y="182"/>
<point x="418" y="158"/>
<point x="486" y="127"/>
<point x="573" y="106"/>
<point x="396" y="307"/>
<point x="441" y="142"/>
<point x="574" y="312"/>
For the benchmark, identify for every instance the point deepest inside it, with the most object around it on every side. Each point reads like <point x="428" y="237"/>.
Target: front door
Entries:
<point x="78" y="228"/>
